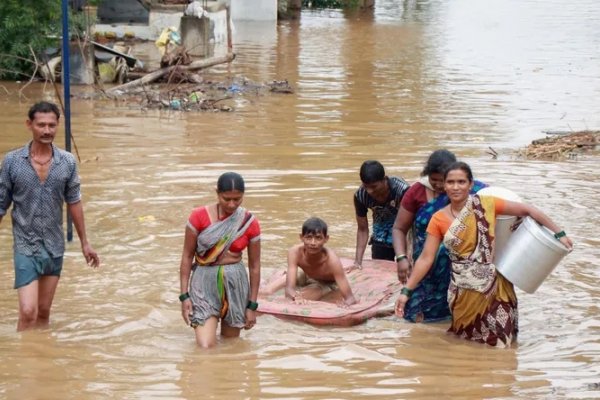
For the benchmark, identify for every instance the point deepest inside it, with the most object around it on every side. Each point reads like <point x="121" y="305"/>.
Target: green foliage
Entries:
<point x="25" y="24"/>
<point x="79" y="24"/>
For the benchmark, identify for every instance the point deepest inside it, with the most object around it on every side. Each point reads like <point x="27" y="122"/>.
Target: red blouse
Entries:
<point x="200" y="220"/>
<point x="414" y="198"/>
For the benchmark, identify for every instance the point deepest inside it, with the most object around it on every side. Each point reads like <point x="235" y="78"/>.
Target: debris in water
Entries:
<point x="562" y="145"/>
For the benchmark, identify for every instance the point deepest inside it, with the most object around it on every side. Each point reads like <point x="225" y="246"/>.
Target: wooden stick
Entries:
<point x="229" y="30"/>
<point x="152" y="76"/>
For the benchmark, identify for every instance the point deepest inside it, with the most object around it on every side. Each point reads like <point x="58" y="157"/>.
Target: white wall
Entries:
<point x="254" y="10"/>
<point x="161" y="20"/>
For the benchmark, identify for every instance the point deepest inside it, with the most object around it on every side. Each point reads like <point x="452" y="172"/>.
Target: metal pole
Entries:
<point x="67" y="93"/>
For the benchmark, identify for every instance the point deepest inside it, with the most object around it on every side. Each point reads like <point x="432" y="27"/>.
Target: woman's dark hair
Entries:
<point x="314" y="225"/>
<point x="230" y="181"/>
<point x="438" y="161"/>
<point x="461" y="166"/>
<point x="371" y="171"/>
<point x="43" y="107"/>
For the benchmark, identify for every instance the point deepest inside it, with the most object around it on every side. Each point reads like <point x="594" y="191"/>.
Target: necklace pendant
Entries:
<point x="41" y="163"/>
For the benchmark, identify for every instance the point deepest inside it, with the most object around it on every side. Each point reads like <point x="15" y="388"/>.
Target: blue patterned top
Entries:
<point x="428" y="302"/>
<point x="37" y="213"/>
<point x="384" y="214"/>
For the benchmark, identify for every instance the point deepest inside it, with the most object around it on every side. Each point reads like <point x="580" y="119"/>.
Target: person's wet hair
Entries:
<point x="371" y="171"/>
<point x="230" y="181"/>
<point x="43" y="107"/>
<point x="461" y="166"/>
<point x="314" y="225"/>
<point x="438" y="161"/>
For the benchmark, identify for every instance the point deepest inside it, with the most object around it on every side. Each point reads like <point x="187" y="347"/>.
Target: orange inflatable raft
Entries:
<point x="374" y="286"/>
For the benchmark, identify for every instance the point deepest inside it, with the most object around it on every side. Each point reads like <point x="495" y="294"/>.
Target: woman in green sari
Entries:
<point x="483" y="303"/>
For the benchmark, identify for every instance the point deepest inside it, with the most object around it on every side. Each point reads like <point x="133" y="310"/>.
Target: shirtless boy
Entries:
<point x="321" y="270"/>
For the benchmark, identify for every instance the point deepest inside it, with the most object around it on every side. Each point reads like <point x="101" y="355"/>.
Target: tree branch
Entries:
<point x="152" y="76"/>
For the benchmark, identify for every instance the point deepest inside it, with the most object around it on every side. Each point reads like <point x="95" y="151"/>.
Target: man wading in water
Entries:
<point x="37" y="179"/>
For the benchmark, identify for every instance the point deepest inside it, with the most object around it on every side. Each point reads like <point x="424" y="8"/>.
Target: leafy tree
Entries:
<point x="26" y="25"/>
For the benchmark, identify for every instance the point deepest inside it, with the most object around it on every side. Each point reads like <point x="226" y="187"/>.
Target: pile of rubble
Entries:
<point x="198" y="94"/>
<point x="562" y="145"/>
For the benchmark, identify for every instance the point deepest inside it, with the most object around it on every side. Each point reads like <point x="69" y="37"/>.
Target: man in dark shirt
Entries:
<point x="382" y="195"/>
<point x="37" y="180"/>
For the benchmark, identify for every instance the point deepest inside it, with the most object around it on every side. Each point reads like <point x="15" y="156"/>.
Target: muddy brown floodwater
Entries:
<point x="392" y="84"/>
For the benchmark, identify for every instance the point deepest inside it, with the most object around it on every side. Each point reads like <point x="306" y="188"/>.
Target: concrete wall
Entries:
<point x="195" y="35"/>
<point x="122" y="11"/>
<point x="161" y="20"/>
<point x="254" y="10"/>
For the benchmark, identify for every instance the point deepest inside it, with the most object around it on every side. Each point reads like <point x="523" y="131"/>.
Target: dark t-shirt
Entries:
<point x="384" y="214"/>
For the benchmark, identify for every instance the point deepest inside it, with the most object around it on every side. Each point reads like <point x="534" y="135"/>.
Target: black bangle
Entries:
<point x="406" y="291"/>
<point x="184" y="296"/>
<point x="560" y="234"/>
<point x="252" y="305"/>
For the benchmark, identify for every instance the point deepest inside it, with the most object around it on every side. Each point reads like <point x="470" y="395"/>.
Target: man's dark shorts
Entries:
<point x="380" y="251"/>
<point x="30" y="268"/>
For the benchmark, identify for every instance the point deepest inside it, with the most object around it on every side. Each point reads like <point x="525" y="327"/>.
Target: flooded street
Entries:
<point x="392" y="84"/>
